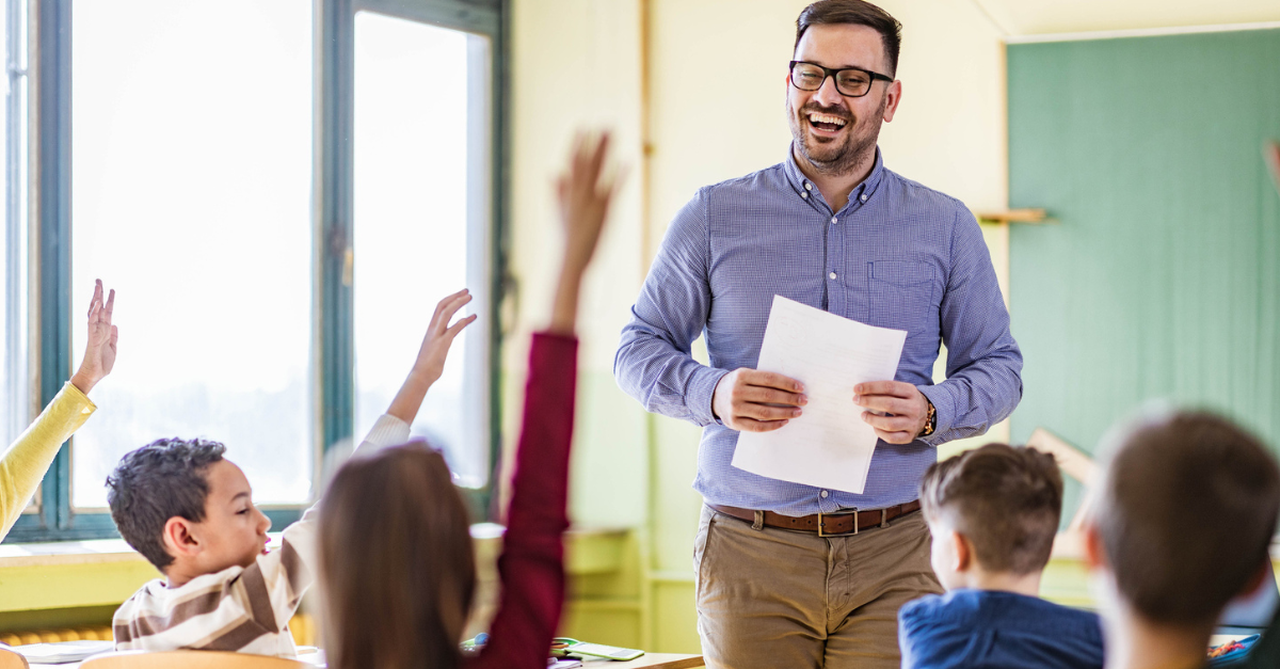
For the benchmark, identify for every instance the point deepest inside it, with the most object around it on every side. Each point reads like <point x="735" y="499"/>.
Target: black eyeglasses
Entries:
<point x="851" y="82"/>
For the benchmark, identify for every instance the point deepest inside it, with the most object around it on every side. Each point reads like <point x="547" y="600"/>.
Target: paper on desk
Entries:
<point x="829" y="445"/>
<point x="62" y="652"/>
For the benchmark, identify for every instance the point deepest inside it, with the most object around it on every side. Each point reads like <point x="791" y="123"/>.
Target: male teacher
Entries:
<point x="789" y="575"/>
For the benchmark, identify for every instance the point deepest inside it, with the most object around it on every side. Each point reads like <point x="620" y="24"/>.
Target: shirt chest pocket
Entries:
<point x="902" y="294"/>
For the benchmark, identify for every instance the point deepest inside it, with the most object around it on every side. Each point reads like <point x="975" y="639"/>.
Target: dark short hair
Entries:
<point x="152" y="484"/>
<point x="1007" y="501"/>
<point x="1185" y="511"/>
<point x="856" y="12"/>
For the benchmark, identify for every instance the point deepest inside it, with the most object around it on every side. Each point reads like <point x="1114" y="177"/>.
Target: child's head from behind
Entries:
<point x="993" y="509"/>
<point x="1183" y="515"/>
<point x="178" y="502"/>
<point x="396" y="563"/>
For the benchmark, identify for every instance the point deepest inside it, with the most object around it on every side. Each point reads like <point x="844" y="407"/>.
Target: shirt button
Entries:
<point x="834" y="220"/>
<point x="804" y="195"/>
<point x="864" y="197"/>
<point x="808" y="186"/>
<point x="832" y="275"/>
<point x="824" y="494"/>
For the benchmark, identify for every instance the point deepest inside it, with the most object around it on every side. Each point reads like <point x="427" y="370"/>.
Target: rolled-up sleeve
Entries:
<point x="654" y="363"/>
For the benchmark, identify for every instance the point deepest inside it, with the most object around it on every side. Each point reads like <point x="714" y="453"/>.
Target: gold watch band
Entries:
<point x="930" y="420"/>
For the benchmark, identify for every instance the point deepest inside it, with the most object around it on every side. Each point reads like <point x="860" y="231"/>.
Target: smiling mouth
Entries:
<point x="826" y="122"/>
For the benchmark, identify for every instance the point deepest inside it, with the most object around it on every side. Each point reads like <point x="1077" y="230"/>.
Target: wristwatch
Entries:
<point x="930" y="420"/>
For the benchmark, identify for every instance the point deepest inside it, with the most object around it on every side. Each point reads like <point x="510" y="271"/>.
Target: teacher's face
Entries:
<point x="835" y="133"/>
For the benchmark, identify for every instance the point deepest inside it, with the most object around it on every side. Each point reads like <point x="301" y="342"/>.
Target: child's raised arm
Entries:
<point x="532" y="555"/>
<point x="27" y="459"/>
<point x="431" y="356"/>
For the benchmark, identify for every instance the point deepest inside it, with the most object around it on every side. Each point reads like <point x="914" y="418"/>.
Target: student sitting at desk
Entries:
<point x="993" y="513"/>
<point x="1181" y="523"/>
<point x="396" y="564"/>
<point x="191" y="514"/>
<point x="23" y="465"/>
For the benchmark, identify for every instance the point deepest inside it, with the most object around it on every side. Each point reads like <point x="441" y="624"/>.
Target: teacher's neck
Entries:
<point x="836" y="186"/>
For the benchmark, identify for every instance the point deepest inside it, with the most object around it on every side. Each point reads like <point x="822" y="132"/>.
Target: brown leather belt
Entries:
<point x="825" y="524"/>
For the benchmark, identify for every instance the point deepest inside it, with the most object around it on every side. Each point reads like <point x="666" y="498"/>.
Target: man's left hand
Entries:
<point x="896" y="410"/>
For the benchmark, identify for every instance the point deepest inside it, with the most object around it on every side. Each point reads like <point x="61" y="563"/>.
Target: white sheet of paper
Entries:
<point x="829" y="445"/>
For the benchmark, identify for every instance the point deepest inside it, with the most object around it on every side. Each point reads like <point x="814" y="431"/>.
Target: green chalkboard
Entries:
<point x="1161" y="277"/>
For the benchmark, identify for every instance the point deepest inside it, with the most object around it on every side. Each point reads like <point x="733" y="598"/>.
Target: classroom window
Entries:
<point x="421" y="224"/>
<point x="278" y="226"/>
<point x="191" y="197"/>
<point x="15" y="378"/>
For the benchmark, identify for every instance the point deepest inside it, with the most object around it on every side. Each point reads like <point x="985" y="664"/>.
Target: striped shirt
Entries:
<point x="898" y="255"/>
<point x="237" y="609"/>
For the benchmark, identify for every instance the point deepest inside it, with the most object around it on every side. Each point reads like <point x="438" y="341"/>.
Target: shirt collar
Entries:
<point x="802" y="184"/>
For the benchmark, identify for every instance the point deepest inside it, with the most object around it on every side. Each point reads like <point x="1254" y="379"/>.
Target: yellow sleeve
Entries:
<point x="23" y="465"/>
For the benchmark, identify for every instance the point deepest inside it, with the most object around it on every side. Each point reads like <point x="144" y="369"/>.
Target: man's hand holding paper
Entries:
<point x="830" y="443"/>
<point x="748" y="400"/>
<point x="896" y="410"/>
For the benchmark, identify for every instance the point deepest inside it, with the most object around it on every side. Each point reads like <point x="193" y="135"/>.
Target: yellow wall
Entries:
<point x="639" y="67"/>
<point x="576" y="64"/>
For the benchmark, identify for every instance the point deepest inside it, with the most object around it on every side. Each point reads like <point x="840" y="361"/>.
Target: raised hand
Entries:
<point x="584" y="193"/>
<point x="429" y="364"/>
<point x="100" y="350"/>
<point x="440" y="334"/>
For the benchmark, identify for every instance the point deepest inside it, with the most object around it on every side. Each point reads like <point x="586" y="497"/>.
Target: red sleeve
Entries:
<point x="532" y="562"/>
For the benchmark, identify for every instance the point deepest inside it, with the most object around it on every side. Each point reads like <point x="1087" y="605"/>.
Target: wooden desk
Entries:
<point x="650" y="661"/>
<point x="647" y="661"/>
<point x="305" y="656"/>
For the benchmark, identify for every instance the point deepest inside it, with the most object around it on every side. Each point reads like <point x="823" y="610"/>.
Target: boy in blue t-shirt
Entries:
<point x="993" y="513"/>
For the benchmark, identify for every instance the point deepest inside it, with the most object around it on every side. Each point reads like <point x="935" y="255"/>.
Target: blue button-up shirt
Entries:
<point x="898" y="255"/>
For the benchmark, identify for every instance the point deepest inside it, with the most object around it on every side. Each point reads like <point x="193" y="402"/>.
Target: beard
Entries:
<point x="838" y="156"/>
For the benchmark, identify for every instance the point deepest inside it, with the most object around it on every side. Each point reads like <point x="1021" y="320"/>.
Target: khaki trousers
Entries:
<point x="773" y="598"/>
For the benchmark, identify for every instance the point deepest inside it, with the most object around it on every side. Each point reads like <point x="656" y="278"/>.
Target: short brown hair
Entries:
<point x="396" y="564"/>
<point x="856" y="12"/>
<point x="150" y="485"/>
<point x="1005" y="500"/>
<point x="1185" y="510"/>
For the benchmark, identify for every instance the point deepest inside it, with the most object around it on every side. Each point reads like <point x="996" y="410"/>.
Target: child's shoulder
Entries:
<point x="939" y="630"/>
<point x="157" y="594"/>
<point x="969" y="606"/>
<point x="1034" y="608"/>
<point x="929" y="615"/>
<point x="956" y="603"/>
<point x="142" y="596"/>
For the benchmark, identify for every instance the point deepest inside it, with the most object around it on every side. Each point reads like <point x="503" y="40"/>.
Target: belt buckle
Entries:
<point x="822" y="515"/>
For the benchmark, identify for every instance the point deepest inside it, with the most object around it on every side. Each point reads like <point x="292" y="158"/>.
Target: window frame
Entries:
<point x="333" y="23"/>
<point x="17" y="398"/>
